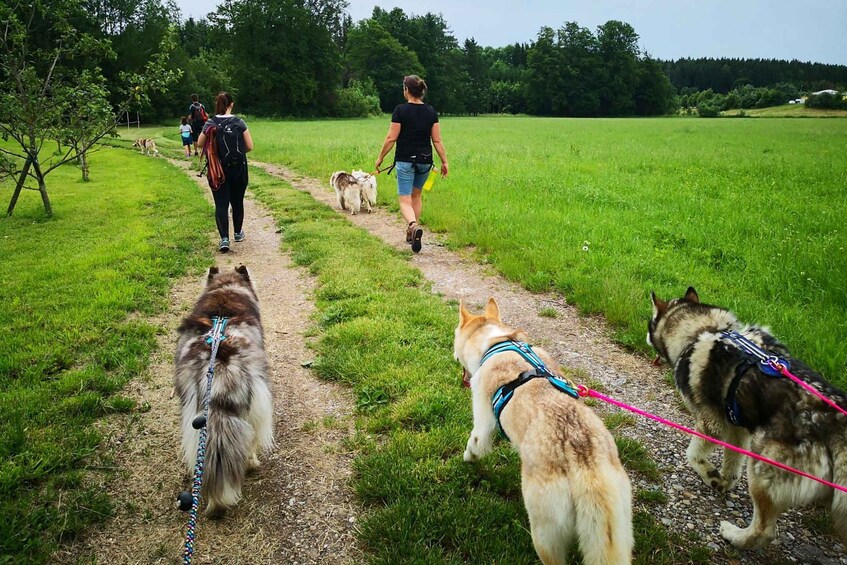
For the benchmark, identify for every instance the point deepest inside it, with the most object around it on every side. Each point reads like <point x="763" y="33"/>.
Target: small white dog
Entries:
<point x="368" y="183"/>
<point x="354" y="190"/>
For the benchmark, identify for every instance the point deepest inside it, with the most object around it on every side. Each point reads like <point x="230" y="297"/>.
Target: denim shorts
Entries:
<point x="411" y="175"/>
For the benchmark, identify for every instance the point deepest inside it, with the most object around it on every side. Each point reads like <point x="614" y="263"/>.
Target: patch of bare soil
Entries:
<point x="298" y="507"/>
<point x="584" y="344"/>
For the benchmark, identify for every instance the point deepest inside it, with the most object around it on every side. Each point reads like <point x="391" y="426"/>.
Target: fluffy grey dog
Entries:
<point x="240" y="407"/>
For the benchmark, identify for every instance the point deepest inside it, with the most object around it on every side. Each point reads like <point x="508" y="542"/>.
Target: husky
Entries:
<point x="240" y="408"/>
<point x="733" y="398"/>
<point x="572" y="481"/>
<point x="146" y="146"/>
<point x="368" y="184"/>
<point x="352" y="190"/>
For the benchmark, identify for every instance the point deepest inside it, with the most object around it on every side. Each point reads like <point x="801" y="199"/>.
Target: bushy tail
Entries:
<point x="603" y="506"/>
<point x="227" y="451"/>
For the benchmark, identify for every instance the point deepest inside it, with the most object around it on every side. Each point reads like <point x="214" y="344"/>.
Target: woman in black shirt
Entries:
<point x="234" y="141"/>
<point x="414" y="127"/>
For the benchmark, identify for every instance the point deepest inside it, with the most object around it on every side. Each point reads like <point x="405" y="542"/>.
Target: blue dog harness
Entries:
<point x="756" y="357"/>
<point x="505" y="393"/>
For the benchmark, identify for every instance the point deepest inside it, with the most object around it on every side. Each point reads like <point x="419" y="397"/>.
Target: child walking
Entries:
<point x="185" y="133"/>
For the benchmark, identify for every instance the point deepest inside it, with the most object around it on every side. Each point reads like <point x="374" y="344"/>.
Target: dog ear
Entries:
<point x="464" y="314"/>
<point x="659" y="306"/>
<point x="242" y="270"/>
<point x="213" y="271"/>
<point x="492" y="310"/>
<point x="691" y="295"/>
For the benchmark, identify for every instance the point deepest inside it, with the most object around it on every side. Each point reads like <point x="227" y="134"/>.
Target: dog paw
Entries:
<point x="720" y="483"/>
<point x="472" y="451"/>
<point x="253" y="464"/>
<point x="740" y="538"/>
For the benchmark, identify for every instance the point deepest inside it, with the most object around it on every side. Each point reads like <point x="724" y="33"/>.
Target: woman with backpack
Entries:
<point x="197" y="116"/>
<point x="229" y="141"/>
<point x="414" y="127"/>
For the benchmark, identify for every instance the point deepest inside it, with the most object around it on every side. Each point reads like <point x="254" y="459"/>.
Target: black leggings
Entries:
<point x="231" y="193"/>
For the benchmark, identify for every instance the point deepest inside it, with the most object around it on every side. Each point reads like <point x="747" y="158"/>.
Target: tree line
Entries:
<point x="725" y="75"/>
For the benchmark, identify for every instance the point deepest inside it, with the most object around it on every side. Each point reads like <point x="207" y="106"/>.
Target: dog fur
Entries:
<point x="572" y="481"/>
<point x="146" y="146"/>
<point x="368" y="183"/>
<point x="241" y="407"/>
<point x="780" y="419"/>
<point x="354" y="190"/>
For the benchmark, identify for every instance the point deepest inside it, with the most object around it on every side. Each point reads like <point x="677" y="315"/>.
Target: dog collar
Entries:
<point x="504" y="394"/>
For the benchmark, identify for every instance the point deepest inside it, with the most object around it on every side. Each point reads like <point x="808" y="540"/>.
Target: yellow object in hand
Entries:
<point x="430" y="180"/>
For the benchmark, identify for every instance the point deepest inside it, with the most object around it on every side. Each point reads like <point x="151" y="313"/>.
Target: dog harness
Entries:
<point x="505" y="393"/>
<point x="756" y="357"/>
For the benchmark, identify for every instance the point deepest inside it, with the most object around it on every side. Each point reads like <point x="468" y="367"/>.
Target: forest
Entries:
<point x="308" y="58"/>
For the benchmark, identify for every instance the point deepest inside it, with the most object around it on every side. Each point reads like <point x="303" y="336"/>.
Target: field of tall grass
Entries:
<point x="750" y="212"/>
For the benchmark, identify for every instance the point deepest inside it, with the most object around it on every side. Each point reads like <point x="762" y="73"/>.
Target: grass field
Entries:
<point x="750" y="212"/>
<point x="78" y="291"/>
<point x="382" y="332"/>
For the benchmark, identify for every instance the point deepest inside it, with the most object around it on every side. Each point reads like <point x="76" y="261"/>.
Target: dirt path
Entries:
<point x="298" y="508"/>
<point x="583" y="343"/>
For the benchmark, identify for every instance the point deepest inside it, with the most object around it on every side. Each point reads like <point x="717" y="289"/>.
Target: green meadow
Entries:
<point x="79" y="291"/>
<point x="382" y="332"/>
<point x="749" y="212"/>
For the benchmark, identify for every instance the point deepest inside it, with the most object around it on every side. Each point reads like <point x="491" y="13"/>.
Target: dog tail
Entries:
<point x="229" y="438"/>
<point x="603" y="506"/>
<point x="839" y="498"/>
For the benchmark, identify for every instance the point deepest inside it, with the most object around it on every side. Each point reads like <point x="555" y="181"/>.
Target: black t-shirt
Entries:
<point x="416" y="121"/>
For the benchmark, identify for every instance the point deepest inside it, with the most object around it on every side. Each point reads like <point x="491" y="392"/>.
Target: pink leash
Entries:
<point x="585" y="391"/>
<point x="781" y="368"/>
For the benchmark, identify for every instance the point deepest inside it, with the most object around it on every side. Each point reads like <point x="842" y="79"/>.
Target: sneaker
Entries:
<point x="417" y="234"/>
<point x="409" y="231"/>
<point x="224" y="245"/>
<point x="239" y="236"/>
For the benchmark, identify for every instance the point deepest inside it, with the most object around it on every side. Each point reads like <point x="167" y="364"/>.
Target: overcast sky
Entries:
<point x="813" y="30"/>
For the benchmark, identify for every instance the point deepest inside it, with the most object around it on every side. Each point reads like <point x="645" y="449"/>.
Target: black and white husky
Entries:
<point x="240" y="404"/>
<point x="773" y="416"/>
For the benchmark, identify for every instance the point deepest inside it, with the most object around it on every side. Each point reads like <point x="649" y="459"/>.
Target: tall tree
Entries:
<point x="618" y="48"/>
<point x="375" y="54"/>
<point x="284" y="56"/>
<point x="654" y="93"/>
<point x="46" y="93"/>
<point x="477" y="93"/>
<point x="544" y="64"/>
<point x="40" y="50"/>
<point x="582" y="72"/>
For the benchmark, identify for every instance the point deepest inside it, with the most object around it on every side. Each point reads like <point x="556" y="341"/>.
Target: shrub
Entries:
<point x="358" y="100"/>
<point x="708" y="110"/>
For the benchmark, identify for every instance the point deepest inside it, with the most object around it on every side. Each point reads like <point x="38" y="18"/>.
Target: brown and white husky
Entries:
<point x="733" y="399"/>
<point x="573" y="484"/>
<point x="240" y="407"/>
<point x="354" y="191"/>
